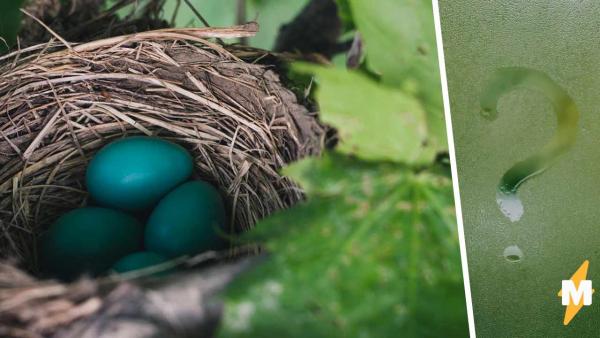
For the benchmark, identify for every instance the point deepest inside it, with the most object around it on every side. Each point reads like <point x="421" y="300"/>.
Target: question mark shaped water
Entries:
<point x="505" y="80"/>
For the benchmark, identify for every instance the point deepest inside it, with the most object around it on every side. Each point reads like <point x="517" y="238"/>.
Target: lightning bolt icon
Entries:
<point x="578" y="276"/>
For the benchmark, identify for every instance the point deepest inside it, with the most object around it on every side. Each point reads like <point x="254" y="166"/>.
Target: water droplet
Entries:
<point x="488" y="113"/>
<point x="513" y="254"/>
<point x="510" y="205"/>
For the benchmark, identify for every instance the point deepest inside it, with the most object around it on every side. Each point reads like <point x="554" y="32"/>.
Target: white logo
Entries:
<point x="572" y="295"/>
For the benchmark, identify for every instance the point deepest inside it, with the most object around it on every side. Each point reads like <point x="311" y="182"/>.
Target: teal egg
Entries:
<point x="134" y="173"/>
<point x="186" y="221"/>
<point x="88" y="240"/>
<point x="140" y="260"/>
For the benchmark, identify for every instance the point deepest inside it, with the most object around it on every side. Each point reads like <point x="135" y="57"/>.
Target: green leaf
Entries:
<point x="374" y="252"/>
<point x="270" y="14"/>
<point x="217" y="13"/>
<point x="400" y="45"/>
<point x="10" y="22"/>
<point x="374" y="122"/>
<point x="345" y="13"/>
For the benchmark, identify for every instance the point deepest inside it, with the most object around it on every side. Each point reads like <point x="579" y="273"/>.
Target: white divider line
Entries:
<point x="457" y="204"/>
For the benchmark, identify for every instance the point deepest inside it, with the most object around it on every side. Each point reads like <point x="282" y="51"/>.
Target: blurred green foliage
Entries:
<point x="345" y="13"/>
<point x="400" y="46"/>
<point x="270" y="14"/>
<point x="374" y="251"/>
<point x="10" y="20"/>
<point x="373" y="121"/>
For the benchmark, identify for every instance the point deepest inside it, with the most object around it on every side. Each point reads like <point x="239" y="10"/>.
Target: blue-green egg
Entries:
<point x="140" y="260"/>
<point x="134" y="173"/>
<point x="88" y="240"/>
<point x="186" y="221"/>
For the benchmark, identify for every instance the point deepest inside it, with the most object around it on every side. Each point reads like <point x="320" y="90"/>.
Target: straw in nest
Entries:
<point x="61" y="102"/>
<point x="58" y="108"/>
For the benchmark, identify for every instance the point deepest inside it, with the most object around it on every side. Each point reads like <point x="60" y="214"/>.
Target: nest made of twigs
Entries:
<point x="61" y="102"/>
<point x="58" y="107"/>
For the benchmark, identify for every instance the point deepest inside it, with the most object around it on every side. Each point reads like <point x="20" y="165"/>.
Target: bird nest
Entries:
<point x="61" y="102"/>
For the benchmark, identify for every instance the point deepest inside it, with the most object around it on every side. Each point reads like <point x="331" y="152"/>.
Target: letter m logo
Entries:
<point x="572" y="295"/>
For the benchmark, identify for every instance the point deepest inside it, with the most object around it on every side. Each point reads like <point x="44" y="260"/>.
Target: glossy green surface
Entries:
<point x="136" y="172"/>
<point x="516" y="268"/>
<point x="139" y="260"/>
<point x="88" y="240"/>
<point x="186" y="221"/>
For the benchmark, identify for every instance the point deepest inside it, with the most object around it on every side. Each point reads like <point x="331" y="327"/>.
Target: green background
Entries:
<point x="374" y="250"/>
<point x="559" y="228"/>
<point x="270" y="14"/>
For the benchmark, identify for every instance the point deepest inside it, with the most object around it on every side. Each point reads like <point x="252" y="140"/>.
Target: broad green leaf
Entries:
<point x="374" y="122"/>
<point x="399" y="40"/>
<point x="10" y="21"/>
<point x="373" y="253"/>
